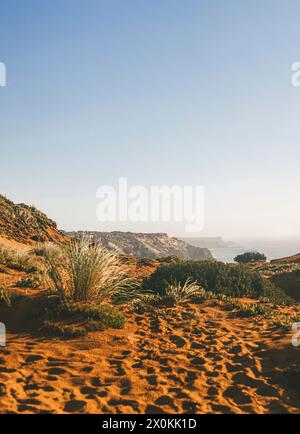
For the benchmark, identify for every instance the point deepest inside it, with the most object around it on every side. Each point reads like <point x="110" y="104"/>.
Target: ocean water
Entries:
<point x="272" y="248"/>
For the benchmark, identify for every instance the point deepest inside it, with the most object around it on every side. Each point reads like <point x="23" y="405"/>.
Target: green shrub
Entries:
<point x="68" y="318"/>
<point x="64" y="330"/>
<point x="104" y="313"/>
<point x="233" y="280"/>
<point x="250" y="257"/>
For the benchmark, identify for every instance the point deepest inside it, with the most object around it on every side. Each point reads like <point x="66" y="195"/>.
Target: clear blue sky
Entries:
<point x="159" y="91"/>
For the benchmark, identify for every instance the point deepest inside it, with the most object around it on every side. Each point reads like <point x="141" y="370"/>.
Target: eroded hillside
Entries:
<point x="26" y="224"/>
<point x="147" y="245"/>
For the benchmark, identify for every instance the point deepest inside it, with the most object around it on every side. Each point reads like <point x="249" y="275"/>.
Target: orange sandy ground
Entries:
<point x="199" y="358"/>
<point x="193" y="359"/>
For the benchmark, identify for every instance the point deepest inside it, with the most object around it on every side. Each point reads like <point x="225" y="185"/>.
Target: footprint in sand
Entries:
<point x="87" y="390"/>
<point x="57" y="371"/>
<point x="154" y="409"/>
<point x="178" y="392"/>
<point x="178" y="341"/>
<point x="234" y="367"/>
<point x="2" y="389"/>
<point x="75" y="406"/>
<point x="115" y="402"/>
<point x="267" y="390"/>
<point x="118" y="366"/>
<point x="7" y="370"/>
<point x="137" y="365"/>
<point x="189" y="407"/>
<point x="166" y="369"/>
<point x="243" y="378"/>
<point x="221" y="409"/>
<point x="212" y="391"/>
<point x="33" y="386"/>
<point x="152" y="380"/>
<point x="198" y="361"/>
<point x="237" y="395"/>
<point x="125" y="386"/>
<point x="164" y="400"/>
<point x="51" y="378"/>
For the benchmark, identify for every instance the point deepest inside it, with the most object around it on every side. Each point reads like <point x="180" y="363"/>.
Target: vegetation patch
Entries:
<point x="29" y="282"/>
<point x="70" y="319"/>
<point x="17" y="260"/>
<point x="233" y="280"/>
<point x="174" y="294"/>
<point x="247" y="257"/>
<point x="86" y="272"/>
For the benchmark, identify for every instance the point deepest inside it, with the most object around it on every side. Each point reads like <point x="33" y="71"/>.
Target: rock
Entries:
<point x="142" y="245"/>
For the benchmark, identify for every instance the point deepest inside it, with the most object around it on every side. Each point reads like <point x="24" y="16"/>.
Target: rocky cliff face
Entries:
<point x="141" y="245"/>
<point x="26" y="224"/>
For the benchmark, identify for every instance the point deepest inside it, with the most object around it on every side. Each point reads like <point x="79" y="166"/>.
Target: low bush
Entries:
<point x="69" y="318"/>
<point x="64" y="330"/>
<point x="47" y="250"/>
<point x="228" y="279"/>
<point x="19" y="260"/>
<point x="247" y="257"/>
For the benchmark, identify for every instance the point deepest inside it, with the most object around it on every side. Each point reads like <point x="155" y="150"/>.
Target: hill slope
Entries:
<point x="295" y="259"/>
<point x="26" y="224"/>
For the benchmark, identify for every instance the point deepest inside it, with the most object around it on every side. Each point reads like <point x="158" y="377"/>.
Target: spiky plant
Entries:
<point x="53" y="261"/>
<point x="90" y="272"/>
<point x="179" y="293"/>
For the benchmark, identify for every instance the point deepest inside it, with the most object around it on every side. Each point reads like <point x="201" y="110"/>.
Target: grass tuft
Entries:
<point x="88" y="272"/>
<point x="71" y="319"/>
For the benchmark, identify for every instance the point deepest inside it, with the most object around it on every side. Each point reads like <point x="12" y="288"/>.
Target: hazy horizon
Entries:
<point x="163" y="93"/>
